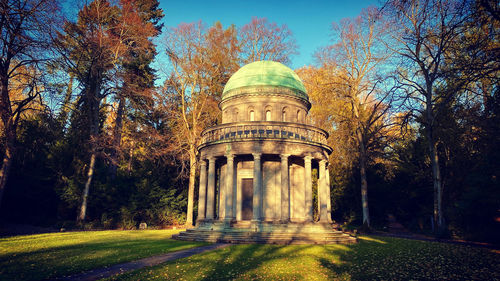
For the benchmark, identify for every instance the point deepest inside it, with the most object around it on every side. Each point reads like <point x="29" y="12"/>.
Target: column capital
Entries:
<point x="323" y="162"/>
<point x="284" y="156"/>
<point x="230" y="157"/>
<point x="211" y="158"/>
<point x="256" y="155"/>
<point x="308" y="158"/>
<point x="203" y="162"/>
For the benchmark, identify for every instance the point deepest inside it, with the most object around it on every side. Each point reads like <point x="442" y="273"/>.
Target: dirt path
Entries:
<point x="106" y="272"/>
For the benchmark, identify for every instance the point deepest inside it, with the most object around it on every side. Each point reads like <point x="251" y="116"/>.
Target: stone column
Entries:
<point x="277" y="193"/>
<point x="308" y="186"/>
<point x="329" y="199"/>
<point x="220" y="182"/>
<point x="285" y="188"/>
<point x="229" y="187"/>
<point x="257" y="186"/>
<point x="239" y="199"/>
<point x="203" y="190"/>
<point x="322" y="193"/>
<point x="235" y="189"/>
<point x="211" y="188"/>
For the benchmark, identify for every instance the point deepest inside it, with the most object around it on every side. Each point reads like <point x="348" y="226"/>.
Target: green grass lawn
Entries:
<point x="44" y="256"/>
<point x="47" y="256"/>
<point x="373" y="258"/>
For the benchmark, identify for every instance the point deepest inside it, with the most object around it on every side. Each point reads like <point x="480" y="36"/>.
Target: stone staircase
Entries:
<point x="267" y="234"/>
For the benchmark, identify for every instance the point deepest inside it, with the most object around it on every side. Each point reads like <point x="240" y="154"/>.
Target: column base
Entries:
<point x="256" y="225"/>
<point x="208" y="220"/>
<point x="324" y="221"/>
<point x="299" y="220"/>
<point x="228" y="222"/>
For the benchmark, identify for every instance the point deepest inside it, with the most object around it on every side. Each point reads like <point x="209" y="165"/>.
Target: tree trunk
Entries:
<point x="436" y="174"/>
<point x="192" y="175"/>
<point x="362" y="165"/>
<point x="437" y="181"/>
<point x="117" y="137"/>
<point x="130" y="159"/>
<point x="94" y="102"/>
<point x="63" y="114"/>
<point x="90" y="174"/>
<point x="6" y="162"/>
<point x="364" y="183"/>
<point x="9" y="131"/>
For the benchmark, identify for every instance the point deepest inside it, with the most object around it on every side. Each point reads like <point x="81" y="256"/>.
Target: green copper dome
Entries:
<point x="264" y="73"/>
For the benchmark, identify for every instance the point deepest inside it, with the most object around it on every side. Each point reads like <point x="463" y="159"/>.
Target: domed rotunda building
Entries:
<point x="256" y="181"/>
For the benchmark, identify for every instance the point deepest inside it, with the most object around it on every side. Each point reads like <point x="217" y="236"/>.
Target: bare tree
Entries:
<point x="426" y="32"/>
<point x="26" y="27"/>
<point x="201" y="63"/>
<point x="262" y="40"/>
<point x="362" y="108"/>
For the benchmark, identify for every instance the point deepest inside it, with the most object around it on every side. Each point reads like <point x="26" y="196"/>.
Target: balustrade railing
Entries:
<point x="264" y="130"/>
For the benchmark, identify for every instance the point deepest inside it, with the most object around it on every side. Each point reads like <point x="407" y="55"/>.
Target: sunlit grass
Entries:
<point x="47" y="256"/>
<point x="371" y="239"/>
<point x="43" y="256"/>
<point x="373" y="258"/>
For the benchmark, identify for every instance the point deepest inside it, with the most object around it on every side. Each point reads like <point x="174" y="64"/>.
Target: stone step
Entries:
<point x="273" y="241"/>
<point x="261" y="232"/>
<point x="242" y="224"/>
<point x="292" y="232"/>
<point x="243" y="235"/>
<point x="265" y="237"/>
<point x="225" y="238"/>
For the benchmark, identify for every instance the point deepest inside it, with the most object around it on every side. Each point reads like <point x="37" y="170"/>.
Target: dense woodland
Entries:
<point x="93" y="135"/>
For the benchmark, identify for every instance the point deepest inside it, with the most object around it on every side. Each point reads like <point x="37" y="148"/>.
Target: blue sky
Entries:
<point x="309" y="21"/>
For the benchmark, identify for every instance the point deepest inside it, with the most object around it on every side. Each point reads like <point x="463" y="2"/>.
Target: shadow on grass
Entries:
<point x="382" y="258"/>
<point x="247" y="258"/>
<point x="63" y="260"/>
<point x="373" y="258"/>
<point x="240" y="261"/>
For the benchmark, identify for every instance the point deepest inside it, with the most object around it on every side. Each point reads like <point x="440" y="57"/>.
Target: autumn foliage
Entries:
<point x="93" y="128"/>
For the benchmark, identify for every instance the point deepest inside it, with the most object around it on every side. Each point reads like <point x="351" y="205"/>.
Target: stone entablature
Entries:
<point x="258" y="130"/>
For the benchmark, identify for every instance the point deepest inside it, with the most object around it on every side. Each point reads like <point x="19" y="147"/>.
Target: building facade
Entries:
<point x="256" y="167"/>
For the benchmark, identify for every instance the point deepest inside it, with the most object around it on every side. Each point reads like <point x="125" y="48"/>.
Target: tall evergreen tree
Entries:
<point x="96" y="47"/>
<point x="136" y="93"/>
